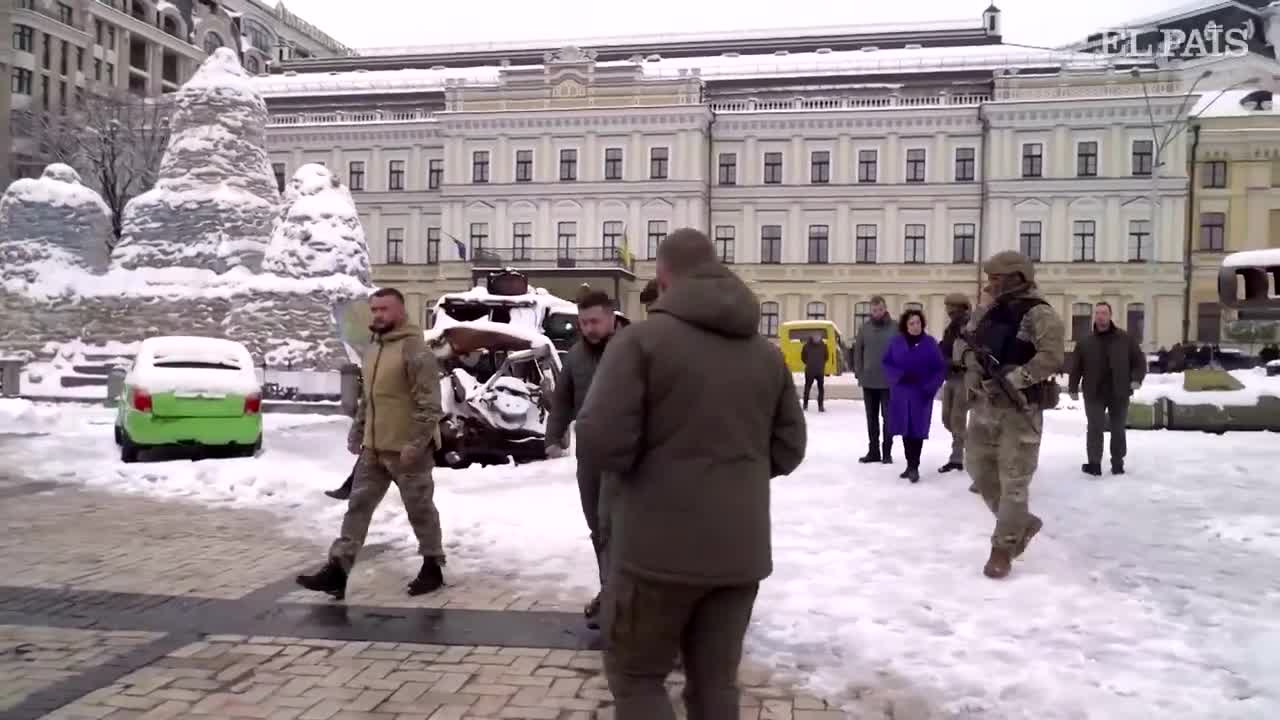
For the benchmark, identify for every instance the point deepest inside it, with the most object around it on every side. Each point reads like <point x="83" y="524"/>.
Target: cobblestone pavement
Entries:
<point x="121" y="607"/>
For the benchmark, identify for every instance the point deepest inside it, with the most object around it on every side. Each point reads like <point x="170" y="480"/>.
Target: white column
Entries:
<point x="1057" y="236"/>
<point x="939" y="169"/>
<point x="335" y="164"/>
<point x="842" y="241"/>
<point x="1062" y="165"/>
<point x="591" y="164"/>
<point x="938" y="245"/>
<point x="637" y="227"/>
<point x="1116" y="152"/>
<point x="844" y="162"/>
<point x="416" y="173"/>
<point x="1112" y="238"/>
<point x="796" y="241"/>
<point x="416" y="242"/>
<point x="893" y="163"/>
<point x="799" y="163"/>
<point x="376" y="177"/>
<point x="545" y="236"/>
<point x="749" y="245"/>
<point x="502" y="164"/>
<point x="545" y="164"/>
<point x="500" y="236"/>
<point x="377" y="240"/>
<point x="889" y="240"/>
<point x="635" y="148"/>
<point x="680" y="155"/>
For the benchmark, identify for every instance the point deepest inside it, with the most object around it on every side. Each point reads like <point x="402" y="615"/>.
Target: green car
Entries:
<point x="190" y="392"/>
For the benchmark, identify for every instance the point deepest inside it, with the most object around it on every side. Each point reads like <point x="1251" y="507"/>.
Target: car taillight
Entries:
<point x="252" y="404"/>
<point x="141" y="400"/>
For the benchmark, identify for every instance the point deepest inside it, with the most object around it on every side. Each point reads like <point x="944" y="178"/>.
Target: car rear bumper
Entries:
<point x="146" y="429"/>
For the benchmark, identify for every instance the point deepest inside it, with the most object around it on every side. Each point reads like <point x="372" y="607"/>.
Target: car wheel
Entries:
<point x="129" y="453"/>
<point x="119" y="438"/>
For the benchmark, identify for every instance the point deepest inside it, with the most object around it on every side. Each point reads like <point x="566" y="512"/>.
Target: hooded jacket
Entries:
<point x="696" y="412"/>
<point x="400" y="402"/>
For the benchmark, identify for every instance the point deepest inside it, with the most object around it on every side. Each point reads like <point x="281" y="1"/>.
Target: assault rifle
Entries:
<point x="991" y="371"/>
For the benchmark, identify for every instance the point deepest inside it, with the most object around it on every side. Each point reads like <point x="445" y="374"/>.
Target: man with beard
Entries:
<point x="955" y="406"/>
<point x="596" y="324"/>
<point x="1008" y="395"/>
<point x="395" y="432"/>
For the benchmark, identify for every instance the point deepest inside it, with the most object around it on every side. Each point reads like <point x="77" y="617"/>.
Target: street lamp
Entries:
<point x="1159" y="143"/>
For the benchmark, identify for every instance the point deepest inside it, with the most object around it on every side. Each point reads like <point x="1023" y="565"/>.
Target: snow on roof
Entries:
<point x="1228" y="104"/>
<point x="1269" y="257"/>
<point x="720" y="67"/>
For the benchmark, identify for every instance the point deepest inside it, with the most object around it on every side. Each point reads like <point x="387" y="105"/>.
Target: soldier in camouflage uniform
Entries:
<point x="395" y="433"/>
<point x="1026" y="338"/>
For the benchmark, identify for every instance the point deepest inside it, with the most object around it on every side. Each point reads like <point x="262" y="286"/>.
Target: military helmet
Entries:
<point x="1008" y="262"/>
<point x="959" y="299"/>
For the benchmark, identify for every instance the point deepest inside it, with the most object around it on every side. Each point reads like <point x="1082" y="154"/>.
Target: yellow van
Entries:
<point x="794" y="334"/>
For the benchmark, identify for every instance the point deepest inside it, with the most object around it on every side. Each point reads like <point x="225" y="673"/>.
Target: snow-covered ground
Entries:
<point x="1152" y="595"/>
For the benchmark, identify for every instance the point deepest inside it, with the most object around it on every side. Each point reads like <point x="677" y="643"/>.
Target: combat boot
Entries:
<point x="331" y="579"/>
<point x="1117" y="467"/>
<point x="430" y="578"/>
<point x="951" y="466"/>
<point x="1093" y="469"/>
<point x="344" y="492"/>
<point x="872" y="456"/>
<point x="998" y="564"/>
<point x="1033" y="527"/>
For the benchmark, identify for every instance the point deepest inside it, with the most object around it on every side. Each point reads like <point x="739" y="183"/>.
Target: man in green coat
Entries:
<point x="1111" y="365"/>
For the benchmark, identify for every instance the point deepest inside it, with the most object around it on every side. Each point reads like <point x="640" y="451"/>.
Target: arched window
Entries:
<point x="816" y="311"/>
<point x="769" y="319"/>
<point x="252" y="65"/>
<point x="861" y="315"/>
<point x="1081" y="321"/>
<point x="170" y="26"/>
<point x="259" y="37"/>
<point x="212" y="42"/>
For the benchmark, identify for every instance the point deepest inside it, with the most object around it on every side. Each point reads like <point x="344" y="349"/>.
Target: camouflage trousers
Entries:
<point x="1003" y="448"/>
<point x="375" y="472"/>
<point x="955" y="411"/>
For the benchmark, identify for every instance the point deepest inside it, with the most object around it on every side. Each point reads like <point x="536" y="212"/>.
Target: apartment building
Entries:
<point x="62" y="50"/>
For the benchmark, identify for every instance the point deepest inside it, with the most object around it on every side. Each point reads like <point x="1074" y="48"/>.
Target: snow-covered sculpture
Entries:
<point x="52" y="224"/>
<point x="216" y="198"/>
<point x="318" y="233"/>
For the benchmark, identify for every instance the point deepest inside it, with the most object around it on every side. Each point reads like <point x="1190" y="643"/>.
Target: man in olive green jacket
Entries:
<point x="696" y="412"/>
<point x="395" y="433"/>
<point x="1111" y="365"/>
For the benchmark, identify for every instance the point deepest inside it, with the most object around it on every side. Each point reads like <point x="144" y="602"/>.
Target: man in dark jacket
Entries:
<point x="1112" y="366"/>
<point x="955" y="399"/>
<point x="814" y="357"/>
<point x="596" y="325"/>
<point x="868" y="354"/>
<point x="696" y="412"/>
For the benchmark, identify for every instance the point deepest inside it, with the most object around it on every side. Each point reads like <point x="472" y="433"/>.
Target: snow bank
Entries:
<point x="1170" y="386"/>
<point x="23" y="416"/>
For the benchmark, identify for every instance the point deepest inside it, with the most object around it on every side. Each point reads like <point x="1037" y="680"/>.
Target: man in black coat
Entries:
<point x="814" y="356"/>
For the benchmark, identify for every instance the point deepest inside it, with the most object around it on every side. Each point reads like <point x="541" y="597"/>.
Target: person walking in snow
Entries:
<point x="955" y="401"/>
<point x="596" y="326"/>
<point x="1012" y="350"/>
<point x="814" y="357"/>
<point x="395" y="432"/>
<point x="696" y="412"/>
<point x="872" y="340"/>
<point x="914" y="368"/>
<point x="1111" y="365"/>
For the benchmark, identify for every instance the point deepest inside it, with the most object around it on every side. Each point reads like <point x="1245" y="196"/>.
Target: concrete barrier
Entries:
<point x="10" y="378"/>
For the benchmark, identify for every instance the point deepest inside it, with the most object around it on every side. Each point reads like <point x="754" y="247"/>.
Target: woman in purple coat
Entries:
<point x="913" y="364"/>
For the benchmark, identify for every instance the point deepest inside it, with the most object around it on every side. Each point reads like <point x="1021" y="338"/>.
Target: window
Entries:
<point x="566" y="239"/>
<point x="861" y="314"/>
<point x="395" y="175"/>
<point x="771" y="244"/>
<point x="480" y="166"/>
<point x="21" y="82"/>
<point x="1087" y="159"/>
<point x="659" y="160"/>
<point x="819" y="244"/>
<point x="610" y="240"/>
<point x="820" y="167"/>
<point x="865" y="243"/>
<point x="355" y="172"/>
<point x="1032" y="160"/>
<point x="966" y="164"/>
<point x="279" y="170"/>
<point x="111" y="37"/>
<point x="212" y="42"/>
<point x="657" y="231"/>
<point x="867" y="162"/>
<point x="522" y="241"/>
<point x="1214" y="174"/>
<point x="728" y="168"/>
<point x="964" y="236"/>
<point x="46" y="52"/>
<point x="395" y="246"/>
<point x="98" y="29"/>
<point x="65" y="14"/>
<point x="111" y="74"/>
<point x="568" y="164"/>
<point x="1030" y="239"/>
<point x="769" y="319"/>
<point x="773" y="168"/>
<point x="1143" y="156"/>
<point x="916" y="165"/>
<point x="524" y="166"/>
<point x="433" y="246"/>
<point x="1213" y="231"/>
<point x="1084" y="241"/>
<point x="815" y="311"/>
<point x="1208" y="323"/>
<point x="724" y="242"/>
<point x="435" y="174"/>
<point x="62" y="97"/>
<point x="479" y="238"/>
<point x="913" y="247"/>
<point x="1081" y="321"/>
<point x="62" y="59"/>
<point x="97" y="70"/>
<point x="613" y="164"/>
<point x="1140" y="241"/>
<point x="79" y="59"/>
<point x="1136" y="321"/>
<point x="24" y="38"/>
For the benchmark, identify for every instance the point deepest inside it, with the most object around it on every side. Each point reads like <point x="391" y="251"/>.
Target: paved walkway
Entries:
<point x="119" y="607"/>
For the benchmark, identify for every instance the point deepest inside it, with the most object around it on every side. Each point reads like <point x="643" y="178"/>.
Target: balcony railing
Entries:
<point x="753" y="105"/>
<point x="350" y="118"/>
<point x="595" y="258"/>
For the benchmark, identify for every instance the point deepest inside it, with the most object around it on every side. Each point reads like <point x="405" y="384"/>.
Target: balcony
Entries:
<point x="859" y="102"/>
<point x="592" y="260"/>
<point x="372" y="117"/>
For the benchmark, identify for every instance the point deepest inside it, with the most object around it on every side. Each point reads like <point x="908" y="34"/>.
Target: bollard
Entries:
<point x="10" y="378"/>
<point x="350" y="389"/>
<point x="115" y="384"/>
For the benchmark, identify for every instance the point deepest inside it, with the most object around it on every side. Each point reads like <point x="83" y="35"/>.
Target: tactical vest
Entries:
<point x="998" y="331"/>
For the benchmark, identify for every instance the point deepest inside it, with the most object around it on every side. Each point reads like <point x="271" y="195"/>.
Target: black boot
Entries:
<point x="344" y="492"/>
<point x="1093" y="469"/>
<point x="1117" y="467"/>
<point x="886" y="454"/>
<point x="331" y="579"/>
<point x="913" y="474"/>
<point x="429" y="579"/>
<point x="951" y="466"/>
<point x="872" y="456"/>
